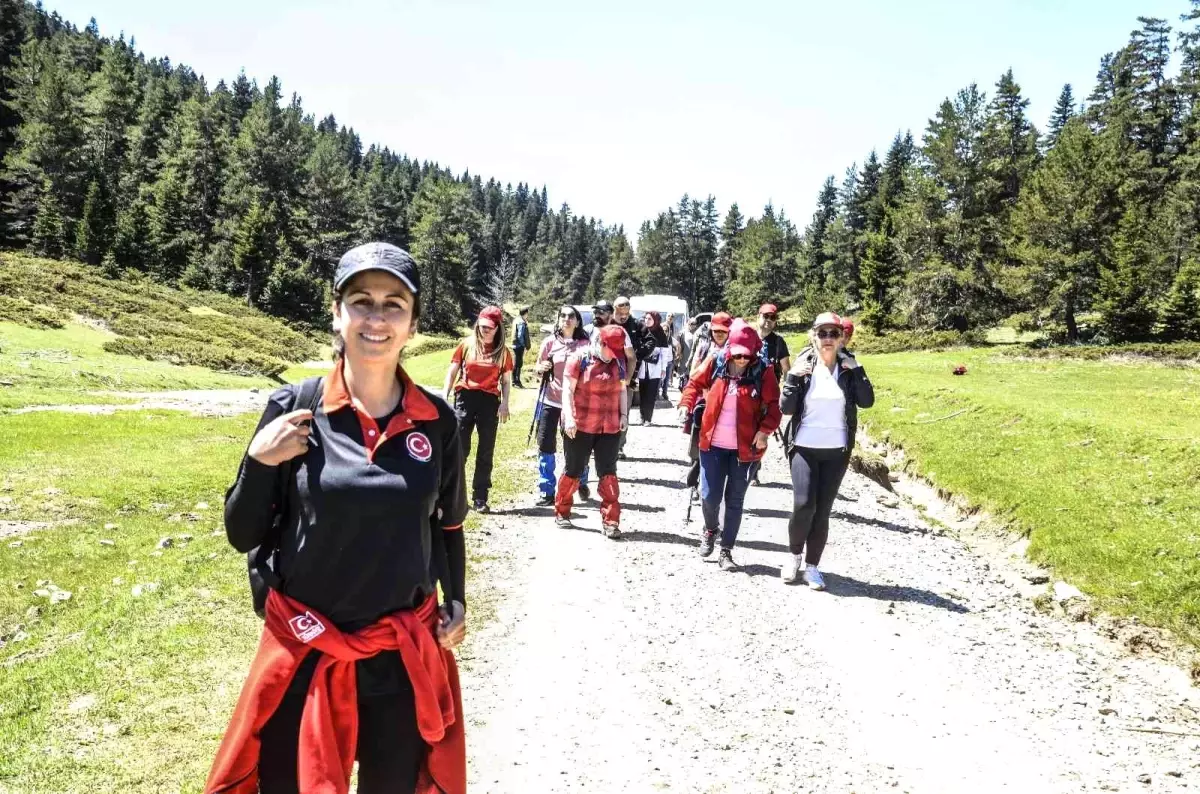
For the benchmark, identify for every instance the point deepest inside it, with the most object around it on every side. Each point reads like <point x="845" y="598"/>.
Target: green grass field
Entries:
<point x="1097" y="461"/>
<point x="111" y="691"/>
<point x="69" y="366"/>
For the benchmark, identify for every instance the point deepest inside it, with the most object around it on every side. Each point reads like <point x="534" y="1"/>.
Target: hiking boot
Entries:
<point x="612" y="531"/>
<point x="695" y="495"/>
<point x="480" y="506"/>
<point x="754" y="481"/>
<point x="563" y="522"/>
<point x="546" y="500"/>
<point x="790" y="572"/>
<point x="813" y="578"/>
<point x="708" y="539"/>
<point x="726" y="560"/>
<point x="585" y="493"/>
<point x="621" y="456"/>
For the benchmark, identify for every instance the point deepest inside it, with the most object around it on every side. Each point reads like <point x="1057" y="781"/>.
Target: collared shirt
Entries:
<point x="368" y="506"/>
<point x="480" y="373"/>
<point x="557" y="350"/>
<point x="598" y="391"/>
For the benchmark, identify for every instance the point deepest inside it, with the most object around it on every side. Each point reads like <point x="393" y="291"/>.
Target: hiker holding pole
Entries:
<point x="741" y="410"/>
<point x="822" y="393"/>
<point x="568" y="338"/>
<point x="595" y="409"/>
<point x="707" y="346"/>
<point x="480" y="395"/>
<point x="361" y="491"/>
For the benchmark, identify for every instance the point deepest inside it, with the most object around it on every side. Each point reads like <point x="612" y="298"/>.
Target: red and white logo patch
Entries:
<point x="419" y="447"/>
<point x="306" y="627"/>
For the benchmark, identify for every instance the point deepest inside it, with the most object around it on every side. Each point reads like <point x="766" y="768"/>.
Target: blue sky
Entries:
<point x="621" y="107"/>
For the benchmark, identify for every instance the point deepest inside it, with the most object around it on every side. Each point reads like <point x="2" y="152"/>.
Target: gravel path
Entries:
<point x="635" y="666"/>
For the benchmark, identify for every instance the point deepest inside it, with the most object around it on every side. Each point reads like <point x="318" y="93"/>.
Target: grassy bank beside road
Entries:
<point x="1099" y="462"/>
<point x="127" y="684"/>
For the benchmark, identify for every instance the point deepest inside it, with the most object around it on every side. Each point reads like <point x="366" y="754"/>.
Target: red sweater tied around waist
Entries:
<point x="329" y="727"/>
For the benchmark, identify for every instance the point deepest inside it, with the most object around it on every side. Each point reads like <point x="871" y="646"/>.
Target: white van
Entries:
<point x="664" y="305"/>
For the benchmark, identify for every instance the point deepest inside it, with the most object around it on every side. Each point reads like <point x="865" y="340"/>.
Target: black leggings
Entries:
<point x="816" y="476"/>
<point x="478" y="410"/>
<point x="390" y="747"/>
<point x="647" y="396"/>
<point x="547" y="429"/>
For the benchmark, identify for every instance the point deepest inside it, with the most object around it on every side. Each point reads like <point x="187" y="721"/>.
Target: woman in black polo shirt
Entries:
<point x="355" y="659"/>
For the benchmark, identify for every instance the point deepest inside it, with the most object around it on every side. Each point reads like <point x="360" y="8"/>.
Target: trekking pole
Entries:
<point x="537" y="408"/>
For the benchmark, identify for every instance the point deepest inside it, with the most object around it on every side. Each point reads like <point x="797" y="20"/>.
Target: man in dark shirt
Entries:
<point x="520" y="345"/>
<point x="623" y="316"/>
<point x="775" y="352"/>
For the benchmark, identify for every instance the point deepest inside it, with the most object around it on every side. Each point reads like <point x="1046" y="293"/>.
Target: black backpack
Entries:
<point x="262" y="560"/>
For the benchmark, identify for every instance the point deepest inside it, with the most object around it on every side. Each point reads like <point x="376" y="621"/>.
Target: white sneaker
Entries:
<point x="790" y="571"/>
<point x="813" y="577"/>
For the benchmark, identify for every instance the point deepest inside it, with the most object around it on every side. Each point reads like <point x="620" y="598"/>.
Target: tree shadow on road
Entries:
<point x="673" y="461"/>
<point x="875" y="522"/>
<point x="643" y="508"/>
<point x="692" y="539"/>
<point x="676" y="485"/>
<point x="758" y="570"/>
<point x="767" y="512"/>
<point x="847" y="587"/>
<point x="651" y="536"/>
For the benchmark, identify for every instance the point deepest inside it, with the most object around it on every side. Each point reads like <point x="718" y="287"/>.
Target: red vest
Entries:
<point x="329" y="727"/>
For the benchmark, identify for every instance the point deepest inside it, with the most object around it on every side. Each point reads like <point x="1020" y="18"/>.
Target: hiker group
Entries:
<point x="350" y="500"/>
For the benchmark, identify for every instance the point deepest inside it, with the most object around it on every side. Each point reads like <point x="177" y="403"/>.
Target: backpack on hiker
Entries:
<point x="262" y="561"/>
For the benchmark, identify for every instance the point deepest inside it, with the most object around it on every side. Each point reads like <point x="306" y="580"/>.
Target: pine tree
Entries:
<point x="1123" y="300"/>
<point x="1180" y="317"/>
<point x="294" y="290"/>
<point x="47" y="239"/>
<point x="112" y="109"/>
<point x="49" y="144"/>
<point x="254" y="249"/>
<point x="133" y="246"/>
<point x="441" y="246"/>
<point x="12" y="37"/>
<point x="330" y="205"/>
<point x="95" y="227"/>
<point x="622" y="276"/>
<point x="1064" y="111"/>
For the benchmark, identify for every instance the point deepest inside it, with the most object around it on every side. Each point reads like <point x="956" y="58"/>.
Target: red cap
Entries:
<point x="847" y="327"/>
<point x="720" y="320"/>
<point x="827" y="318"/>
<point x="613" y="337"/>
<point x="768" y="308"/>
<point x="743" y="339"/>
<point x="493" y="314"/>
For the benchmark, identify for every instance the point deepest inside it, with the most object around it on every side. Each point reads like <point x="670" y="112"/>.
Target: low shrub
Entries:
<point x="901" y="341"/>
<point x="1164" y="351"/>
<point x="31" y="315"/>
<point x="178" y="350"/>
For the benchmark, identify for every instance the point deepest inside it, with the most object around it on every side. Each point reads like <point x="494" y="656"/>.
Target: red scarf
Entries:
<point x="329" y="727"/>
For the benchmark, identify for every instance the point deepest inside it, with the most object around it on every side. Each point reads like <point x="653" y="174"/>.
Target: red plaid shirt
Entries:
<point x="597" y="394"/>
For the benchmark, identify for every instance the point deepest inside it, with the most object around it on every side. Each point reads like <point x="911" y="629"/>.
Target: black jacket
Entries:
<point x="855" y="385"/>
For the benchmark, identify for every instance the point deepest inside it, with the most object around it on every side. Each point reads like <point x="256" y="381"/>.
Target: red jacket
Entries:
<point x="329" y="727"/>
<point x="757" y="406"/>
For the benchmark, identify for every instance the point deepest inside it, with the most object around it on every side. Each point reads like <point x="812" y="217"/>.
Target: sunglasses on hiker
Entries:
<point x="829" y="333"/>
<point x="769" y="316"/>
<point x="565" y="315"/>
<point x="739" y="357"/>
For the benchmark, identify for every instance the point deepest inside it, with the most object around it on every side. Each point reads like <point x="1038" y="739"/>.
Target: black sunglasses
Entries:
<point x="565" y="315"/>
<point x="740" y="357"/>
<point x="831" y="333"/>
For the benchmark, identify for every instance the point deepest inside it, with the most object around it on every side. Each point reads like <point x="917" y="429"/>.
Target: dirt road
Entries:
<point x="636" y="666"/>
